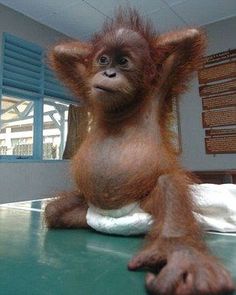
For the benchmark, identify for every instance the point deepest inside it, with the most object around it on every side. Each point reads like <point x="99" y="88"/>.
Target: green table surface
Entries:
<point x="34" y="260"/>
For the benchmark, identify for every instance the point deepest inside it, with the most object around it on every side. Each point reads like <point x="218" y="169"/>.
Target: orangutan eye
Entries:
<point x="104" y="60"/>
<point x="123" y="61"/>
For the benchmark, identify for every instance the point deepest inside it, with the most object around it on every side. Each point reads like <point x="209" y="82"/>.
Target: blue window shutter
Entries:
<point x="52" y="87"/>
<point x="22" y="67"/>
<point x="25" y="70"/>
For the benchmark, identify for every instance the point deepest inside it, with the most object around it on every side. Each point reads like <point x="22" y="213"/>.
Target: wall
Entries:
<point x="221" y="36"/>
<point x="24" y="27"/>
<point x="22" y="181"/>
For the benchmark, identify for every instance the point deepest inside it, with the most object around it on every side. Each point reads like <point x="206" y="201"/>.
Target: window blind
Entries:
<point x="52" y="87"/>
<point x="25" y="72"/>
<point x="22" y="66"/>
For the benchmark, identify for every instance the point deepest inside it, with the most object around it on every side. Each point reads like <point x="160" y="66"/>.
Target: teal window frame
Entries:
<point x="28" y="77"/>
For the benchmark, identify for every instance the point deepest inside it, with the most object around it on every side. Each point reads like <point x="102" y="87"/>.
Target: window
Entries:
<point x="17" y="127"/>
<point x="33" y="104"/>
<point x="55" y="125"/>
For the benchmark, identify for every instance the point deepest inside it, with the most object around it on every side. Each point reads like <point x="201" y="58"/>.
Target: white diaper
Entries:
<point x="128" y="220"/>
<point x="216" y="202"/>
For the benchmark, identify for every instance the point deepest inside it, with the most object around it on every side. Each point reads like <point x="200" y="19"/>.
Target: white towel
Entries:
<point x="218" y="206"/>
<point x="216" y="202"/>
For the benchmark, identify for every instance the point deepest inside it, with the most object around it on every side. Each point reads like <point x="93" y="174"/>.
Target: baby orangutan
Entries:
<point x="127" y="76"/>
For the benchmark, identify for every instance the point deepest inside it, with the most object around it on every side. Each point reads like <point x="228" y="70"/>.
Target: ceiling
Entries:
<point x="80" y="18"/>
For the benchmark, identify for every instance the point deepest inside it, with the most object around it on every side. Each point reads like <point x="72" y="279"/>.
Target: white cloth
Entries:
<point x="216" y="202"/>
<point x="218" y="206"/>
